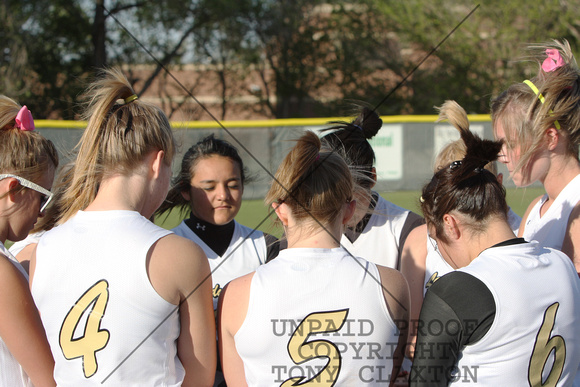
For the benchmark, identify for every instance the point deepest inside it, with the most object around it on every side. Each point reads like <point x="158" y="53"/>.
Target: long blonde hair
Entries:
<point x="525" y="118"/>
<point x="121" y="131"/>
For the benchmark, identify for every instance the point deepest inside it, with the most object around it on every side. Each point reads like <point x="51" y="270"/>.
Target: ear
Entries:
<point x="186" y="195"/>
<point x="451" y="227"/>
<point x="157" y="161"/>
<point x="12" y="185"/>
<point x="282" y="212"/>
<point x="349" y="212"/>
<point x="500" y="178"/>
<point x="552" y="136"/>
<point x="373" y="176"/>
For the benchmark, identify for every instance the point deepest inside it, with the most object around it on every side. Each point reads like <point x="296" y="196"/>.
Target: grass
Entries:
<point x="254" y="213"/>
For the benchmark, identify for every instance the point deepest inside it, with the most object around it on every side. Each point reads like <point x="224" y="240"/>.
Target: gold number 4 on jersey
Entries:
<point x="94" y="338"/>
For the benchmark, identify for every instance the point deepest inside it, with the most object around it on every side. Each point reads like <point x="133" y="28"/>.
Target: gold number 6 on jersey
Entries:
<point x="94" y="339"/>
<point x="301" y="350"/>
<point x="543" y="346"/>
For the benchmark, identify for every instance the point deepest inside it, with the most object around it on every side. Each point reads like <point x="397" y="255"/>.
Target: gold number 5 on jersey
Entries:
<point x="301" y="350"/>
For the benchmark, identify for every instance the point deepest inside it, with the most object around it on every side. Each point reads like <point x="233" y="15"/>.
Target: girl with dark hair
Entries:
<point x="379" y="229"/>
<point x="27" y="165"/>
<point x="501" y="321"/>
<point x="538" y="121"/>
<point x="209" y="187"/>
<point x="123" y="301"/>
<point x="301" y="317"/>
<point x="422" y="265"/>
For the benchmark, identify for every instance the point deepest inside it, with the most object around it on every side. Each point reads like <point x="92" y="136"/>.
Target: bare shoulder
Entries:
<point x="10" y="276"/>
<point x="574" y="218"/>
<point x="571" y="241"/>
<point x="237" y="292"/>
<point x="234" y="302"/>
<point x="415" y="248"/>
<point x="393" y="280"/>
<point x="177" y="248"/>
<point x="176" y="265"/>
<point x="395" y="291"/>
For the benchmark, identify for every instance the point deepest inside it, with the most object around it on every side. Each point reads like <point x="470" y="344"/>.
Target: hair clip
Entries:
<point x="317" y="157"/>
<point x="553" y="61"/>
<point x="358" y="127"/>
<point x="454" y="165"/>
<point x="131" y="98"/>
<point x="24" y="120"/>
<point x="541" y="98"/>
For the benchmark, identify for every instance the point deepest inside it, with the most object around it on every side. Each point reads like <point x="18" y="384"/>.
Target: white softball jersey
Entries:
<point x="30" y="239"/>
<point x="436" y="266"/>
<point x="246" y="251"/>
<point x="534" y="336"/>
<point x="550" y="228"/>
<point x="104" y="320"/>
<point x="379" y="241"/>
<point x="317" y="315"/>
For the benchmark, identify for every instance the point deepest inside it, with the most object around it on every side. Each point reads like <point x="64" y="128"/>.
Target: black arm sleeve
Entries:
<point x="413" y="220"/>
<point x="272" y="247"/>
<point x="458" y="310"/>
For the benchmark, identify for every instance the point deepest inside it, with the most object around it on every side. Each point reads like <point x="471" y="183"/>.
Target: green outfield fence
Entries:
<point x="405" y="146"/>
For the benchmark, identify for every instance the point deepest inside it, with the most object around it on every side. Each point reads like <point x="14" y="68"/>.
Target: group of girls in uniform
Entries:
<point x="110" y="298"/>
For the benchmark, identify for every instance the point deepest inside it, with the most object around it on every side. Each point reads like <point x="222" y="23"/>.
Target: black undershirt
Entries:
<point x="219" y="238"/>
<point x="465" y="307"/>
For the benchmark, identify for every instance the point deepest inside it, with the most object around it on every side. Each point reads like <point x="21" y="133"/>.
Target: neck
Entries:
<point x="497" y="231"/>
<point x="562" y="171"/>
<point x="314" y="236"/>
<point x="121" y="193"/>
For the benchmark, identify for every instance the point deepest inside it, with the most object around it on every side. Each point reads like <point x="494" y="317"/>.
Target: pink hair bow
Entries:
<point x="24" y="120"/>
<point x="553" y="61"/>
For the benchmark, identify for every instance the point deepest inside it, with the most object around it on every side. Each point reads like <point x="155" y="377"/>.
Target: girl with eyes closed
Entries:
<point x="210" y="185"/>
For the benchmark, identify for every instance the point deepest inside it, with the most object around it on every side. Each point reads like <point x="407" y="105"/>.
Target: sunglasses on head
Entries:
<point x="46" y="195"/>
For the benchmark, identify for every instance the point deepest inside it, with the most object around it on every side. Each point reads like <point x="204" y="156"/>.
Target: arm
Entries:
<point x="232" y="310"/>
<point x="413" y="262"/>
<point x="525" y="217"/>
<point x="396" y="293"/>
<point x="465" y="306"/>
<point x="412" y="222"/>
<point x="21" y="327"/>
<point x="24" y="256"/>
<point x="180" y="273"/>
<point x="571" y="243"/>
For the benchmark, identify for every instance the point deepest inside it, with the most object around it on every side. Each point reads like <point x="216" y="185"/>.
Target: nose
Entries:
<point x="223" y="193"/>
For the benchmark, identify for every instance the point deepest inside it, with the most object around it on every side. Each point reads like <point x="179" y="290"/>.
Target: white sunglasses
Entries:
<point x="47" y="195"/>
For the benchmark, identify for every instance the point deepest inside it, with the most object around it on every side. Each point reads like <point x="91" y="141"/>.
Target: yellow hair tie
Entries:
<point x="541" y="98"/>
<point x="131" y="99"/>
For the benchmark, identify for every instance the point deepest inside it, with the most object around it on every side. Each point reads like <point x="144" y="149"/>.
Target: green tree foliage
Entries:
<point x="483" y="56"/>
<point x="310" y="55"/>
<point x="46" y="51"/>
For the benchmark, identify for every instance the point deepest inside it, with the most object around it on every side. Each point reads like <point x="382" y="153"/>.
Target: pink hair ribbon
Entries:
<point x="553" y="61"/>
<point x="24" y="119"/>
